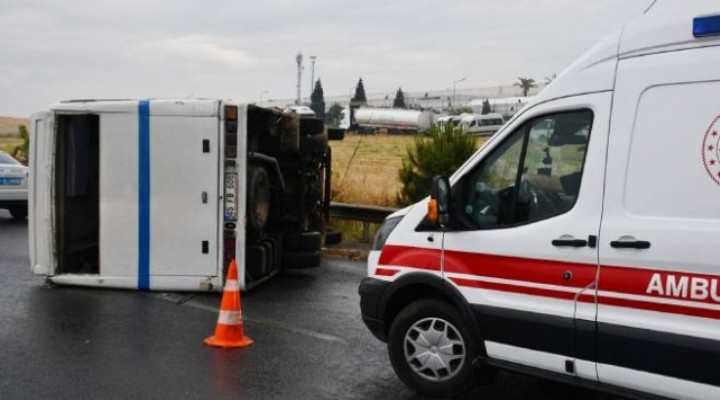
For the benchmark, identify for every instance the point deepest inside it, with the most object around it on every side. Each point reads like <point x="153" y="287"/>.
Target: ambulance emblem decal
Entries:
<point x="711" y="150"/>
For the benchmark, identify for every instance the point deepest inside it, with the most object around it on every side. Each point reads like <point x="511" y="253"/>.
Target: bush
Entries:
<point x="439" y="154"/>
<point x="21" y="152"/>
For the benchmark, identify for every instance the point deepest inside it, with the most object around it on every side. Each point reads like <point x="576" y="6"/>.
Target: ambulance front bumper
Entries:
<point x="371" y="291"/>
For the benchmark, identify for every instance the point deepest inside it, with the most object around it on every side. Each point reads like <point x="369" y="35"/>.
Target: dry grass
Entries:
<point x="365" y="171"/>
<point x="9" y="125"/>
<point x="9" y="137"/>
<point x="8" y="143"/>
<point x="365" y="168"/>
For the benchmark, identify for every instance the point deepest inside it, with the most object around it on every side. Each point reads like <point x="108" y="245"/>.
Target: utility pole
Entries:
<point x="452" y="107"/>
<point x="299" y="60"/>
<point x="312" y="73"/>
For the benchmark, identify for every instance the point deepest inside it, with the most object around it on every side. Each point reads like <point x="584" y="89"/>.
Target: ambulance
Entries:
<point x="581" y="242"/>
<point x="162" y="194"/>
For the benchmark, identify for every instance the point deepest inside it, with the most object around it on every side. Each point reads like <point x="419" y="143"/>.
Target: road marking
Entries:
<point x="274" y="324"/>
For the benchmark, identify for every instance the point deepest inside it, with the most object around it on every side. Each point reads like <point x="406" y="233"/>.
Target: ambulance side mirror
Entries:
<point x="439" y="204"/>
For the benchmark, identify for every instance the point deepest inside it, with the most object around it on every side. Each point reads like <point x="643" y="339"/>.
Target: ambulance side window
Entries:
<point x="533" y="175"/>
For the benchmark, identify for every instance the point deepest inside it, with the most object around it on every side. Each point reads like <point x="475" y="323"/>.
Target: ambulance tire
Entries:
<point x="424" y="316"/>
<point x="301" y="260"/>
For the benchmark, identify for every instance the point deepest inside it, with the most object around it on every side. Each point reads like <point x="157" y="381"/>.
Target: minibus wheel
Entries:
<point x="19" y="213"/>
<point x="258" y="200"/>
<point x="432" y="349"/>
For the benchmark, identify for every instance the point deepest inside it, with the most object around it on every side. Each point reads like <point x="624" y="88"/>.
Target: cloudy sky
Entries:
<point x="240" y="49"/>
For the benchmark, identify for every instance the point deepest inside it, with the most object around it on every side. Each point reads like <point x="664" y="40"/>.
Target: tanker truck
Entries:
<point x="163" y="194"/>
<point x="394" y="120"/>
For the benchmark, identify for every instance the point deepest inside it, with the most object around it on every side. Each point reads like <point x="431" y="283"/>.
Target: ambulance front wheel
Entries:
<point x="432" y="349"/>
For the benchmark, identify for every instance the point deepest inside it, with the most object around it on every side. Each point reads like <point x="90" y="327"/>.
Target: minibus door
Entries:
<point x="184" y="195"/>
<point x="39" y="194"/>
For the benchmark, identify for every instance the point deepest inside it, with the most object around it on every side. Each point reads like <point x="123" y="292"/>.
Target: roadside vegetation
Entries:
<point x="14" y="141"/>
<point x="367" y="169"/>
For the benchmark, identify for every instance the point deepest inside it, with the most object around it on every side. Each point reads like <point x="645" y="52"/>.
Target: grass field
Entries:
<point x="9" y="137"/>
<point x="9" y="125"/>
<point x="365" y="168"/>
<point x="365" y="171"/>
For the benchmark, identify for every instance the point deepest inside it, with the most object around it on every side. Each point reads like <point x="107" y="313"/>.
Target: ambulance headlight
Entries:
<point x="384" y="232"/>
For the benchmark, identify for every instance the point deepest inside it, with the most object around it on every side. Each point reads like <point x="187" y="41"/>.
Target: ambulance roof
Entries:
<point x="666" y="26"/>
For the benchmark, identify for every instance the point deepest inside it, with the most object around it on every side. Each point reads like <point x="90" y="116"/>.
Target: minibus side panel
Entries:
<point x="183" y="196"/>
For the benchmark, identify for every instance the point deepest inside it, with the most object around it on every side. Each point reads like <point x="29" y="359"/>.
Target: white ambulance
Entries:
<point x="162" y="194"/>
<point x="581" y="242"/>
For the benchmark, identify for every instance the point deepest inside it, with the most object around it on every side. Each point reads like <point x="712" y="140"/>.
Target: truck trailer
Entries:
<point x="163" y="194"/>
<point x="394" y="120"/>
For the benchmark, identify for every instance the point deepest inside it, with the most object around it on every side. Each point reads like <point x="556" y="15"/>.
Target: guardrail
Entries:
<point x="362" y="213"/>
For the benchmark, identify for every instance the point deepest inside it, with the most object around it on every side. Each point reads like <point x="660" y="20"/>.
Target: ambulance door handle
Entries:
<point x="630" y="244"/>
<point x="204" y="197"/>
<point x="569" y="243"/>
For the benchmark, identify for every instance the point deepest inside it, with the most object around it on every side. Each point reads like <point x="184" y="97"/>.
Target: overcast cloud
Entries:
<point x="56" y="50"/>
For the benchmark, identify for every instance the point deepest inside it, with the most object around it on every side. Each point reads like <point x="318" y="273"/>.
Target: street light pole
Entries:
<point x="452" y="108"/>
<point x="312" y="73"/>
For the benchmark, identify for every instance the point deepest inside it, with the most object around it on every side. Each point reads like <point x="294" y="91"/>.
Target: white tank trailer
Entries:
<point x="395" y="120"/>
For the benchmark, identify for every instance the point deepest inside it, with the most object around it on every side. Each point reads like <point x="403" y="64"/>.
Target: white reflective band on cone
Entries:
<point x="229" y="317"/>
<point x="232" y="284"/>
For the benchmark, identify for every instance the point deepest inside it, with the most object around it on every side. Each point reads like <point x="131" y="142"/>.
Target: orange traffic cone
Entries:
<point x="229" y="329"/>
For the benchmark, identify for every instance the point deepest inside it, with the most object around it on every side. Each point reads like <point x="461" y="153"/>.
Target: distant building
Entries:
<point x="507" y="106"/>
<point x="440" y="101"/>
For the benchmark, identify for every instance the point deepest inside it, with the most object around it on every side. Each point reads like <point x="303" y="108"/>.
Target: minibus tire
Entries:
<point x="433" y="314"/>
<point x="313" y="144"/>
<point x="258" y="201"/>
<point x="19" y="213"/>
<point x="332" y="237"/>
<point x="302" y="241"/>
<point x="301" y="260"/>
<point x="310" y="126"/>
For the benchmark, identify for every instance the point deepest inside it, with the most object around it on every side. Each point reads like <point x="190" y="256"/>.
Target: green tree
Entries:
<point x="317" y="100"/>
<point x="486" y="107"/>
<point x="359" y="98"/>
<point x="463" y="110"/>
<point x="441" y="153"/>
<point x="21" y="152"/>
<point x="334" y="115"/>
<point x="525" y="84"/>
<point x="399" y="101"/>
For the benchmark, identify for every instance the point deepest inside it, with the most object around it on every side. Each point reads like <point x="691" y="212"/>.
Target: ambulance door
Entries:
<point x="522" y="249"/>
<point x="659" y="296"/>
<point x="184" y="195"/>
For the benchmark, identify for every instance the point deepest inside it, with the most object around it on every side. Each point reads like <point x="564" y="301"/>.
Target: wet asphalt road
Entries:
<point x="76" y="343"/>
